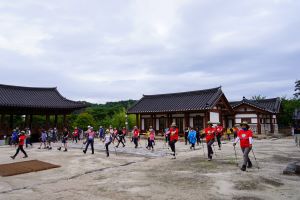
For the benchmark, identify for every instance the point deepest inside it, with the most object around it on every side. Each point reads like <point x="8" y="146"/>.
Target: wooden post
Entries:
<point x="11" y="122"/>
<point x="186" y="120"/>
<point x="271" y="124"/>
<point x="47" y="121"/>
<point x="2" y="121"/>
<point x="64" y="121"/>
<point x="55" y="121"/>
<point x="258" y="124"/>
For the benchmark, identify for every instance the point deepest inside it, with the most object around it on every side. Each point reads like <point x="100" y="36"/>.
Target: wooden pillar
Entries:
<point x="258" y="124"/>
<point x="2" y="121"/>
<point x="11" y="121"/>
<point x="30" y="121"/>
<point x="206" y="118"/>
<point x="55" y="121"/>
<point x="154" y="122"/>
<point x="271" y="124"/>
<point x="47" y="121"/>
<point x="170" y="120"/>
<point x="186" y="120"/>
<point x="64" y="121"/>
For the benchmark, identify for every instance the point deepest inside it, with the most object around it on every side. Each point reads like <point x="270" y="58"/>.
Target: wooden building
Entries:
<point x="29" y="101"/>
<point x="260" y="114"/>
<point x="194" y="108"/>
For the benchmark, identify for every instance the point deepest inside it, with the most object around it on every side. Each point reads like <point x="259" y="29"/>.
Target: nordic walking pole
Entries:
<point x="236" y="160"/>
<point x="116" y="151"/>
<point x="255" y="159"/>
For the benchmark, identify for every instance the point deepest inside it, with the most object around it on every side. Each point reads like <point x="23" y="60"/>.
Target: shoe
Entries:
<point x="25" y="156"/>
<point x="123" y="145"/>
<point x="243" y="168"/>
<point x="219" y="148"/>
<point x="50" y="148"/>
<point x="13" y="157"/>
<point x="66" y="150"/>
<point x="84" y="151"/>
<point x="209" y="159"/>
<point x="92" y="152"/>
<point x="117" y="146"/>
<point x="191" y="148"/>
<point x="39" y="148"/>
<point x="249" y="164"/>
<point x="59" y="148"/>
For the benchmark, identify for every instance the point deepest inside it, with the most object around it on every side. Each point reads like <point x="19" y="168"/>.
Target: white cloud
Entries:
<point x="112" y="50"/>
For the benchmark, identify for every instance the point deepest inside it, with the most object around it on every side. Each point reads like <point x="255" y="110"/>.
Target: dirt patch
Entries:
<point x="246" y="198"/>
<point x="272" y="182"/>
<point x="25" y="167"/>
<point x="247" y="185"/>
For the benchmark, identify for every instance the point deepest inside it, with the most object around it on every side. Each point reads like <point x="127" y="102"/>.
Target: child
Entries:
<point x="22" y="139"/>
<point x="192" y="138"/>
<point x="107" y="141"/>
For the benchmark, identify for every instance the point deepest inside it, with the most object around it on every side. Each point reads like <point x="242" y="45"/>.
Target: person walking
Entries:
<point x="245" y="137"/>
<point x="192" y="138"/>
<point x="151" y="139"/>
<point x="135" y="137"/>
<point x="64" y="141"/>
<point x="219" y="134"/>
<point x="124" y="131"/>
<point x="28" y="137"/>
<point x="120" y="138"/>
<point x="210" y="139"/>
<point x="186" y="133"/>
<point x="21" y="142"/>
<point x="43" y="139"/>
<point x="107" y="141"/>
<point x="173" y="138"/>
<point x="101" y="133"/>
<point x="90" y="133"/>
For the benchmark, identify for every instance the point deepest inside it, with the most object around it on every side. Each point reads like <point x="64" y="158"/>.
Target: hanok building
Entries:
<point x="260" y="114"/>
<point x="193" y="109"/>
<point x="29" y="101"/>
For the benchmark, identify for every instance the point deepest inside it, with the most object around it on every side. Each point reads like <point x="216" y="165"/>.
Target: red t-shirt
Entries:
<point x="76" y="132"/>
<point x="209" y="133"/>
<point x="22" y="139"/>
<point x="244" y="138"/>
<point x="219" y="130"/>
<point x="136" y="133"/>
<point x="175" y="135"/>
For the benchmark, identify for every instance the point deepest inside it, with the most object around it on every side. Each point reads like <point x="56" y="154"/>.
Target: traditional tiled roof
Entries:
<point x="33" y="97"/>
<point x="178" y="102"/>
<point x="269" y="105"/>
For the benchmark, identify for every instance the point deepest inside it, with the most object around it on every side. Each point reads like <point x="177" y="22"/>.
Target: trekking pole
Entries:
<point x="236" y="160"/>
<point x="214" y="150"/>
<point x="255" y="159"/>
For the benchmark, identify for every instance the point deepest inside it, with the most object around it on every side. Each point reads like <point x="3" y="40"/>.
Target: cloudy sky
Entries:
<point x="109" y="50"/>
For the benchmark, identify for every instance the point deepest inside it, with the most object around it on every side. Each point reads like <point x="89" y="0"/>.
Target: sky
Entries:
<point x="111" y="50"/>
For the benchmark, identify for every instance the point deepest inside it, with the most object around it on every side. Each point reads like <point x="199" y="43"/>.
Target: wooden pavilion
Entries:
<point x="29" y="101"/>
<point x="194" y="108"/>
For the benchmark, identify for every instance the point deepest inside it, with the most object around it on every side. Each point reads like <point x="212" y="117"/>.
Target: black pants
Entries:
<point x="219" y="140"/>
<point x="90" y="141"/>
<point x="28" y="141"/>
<point x="136" y="142"/>
<point x="209" y="148"/>
<point x="186" y="137"/>
<point x="106" y="147"/>
<point x="172" y="145"/>
<point x="20" y="148"/>
<point x="198" y="138"/>
<point x="150" y="143"/>
<point x="120" y="140"/>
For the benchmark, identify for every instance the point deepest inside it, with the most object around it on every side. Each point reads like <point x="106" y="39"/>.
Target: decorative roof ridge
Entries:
<point x="184" y="93"/>
<point x="27" y="87"/>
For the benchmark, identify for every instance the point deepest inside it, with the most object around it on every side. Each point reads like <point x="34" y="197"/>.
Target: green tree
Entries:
<point x="288" y="107"/>
<point x="83" y="120"/>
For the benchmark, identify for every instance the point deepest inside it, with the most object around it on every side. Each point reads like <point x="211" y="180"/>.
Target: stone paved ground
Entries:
<point x="142" y="174"/>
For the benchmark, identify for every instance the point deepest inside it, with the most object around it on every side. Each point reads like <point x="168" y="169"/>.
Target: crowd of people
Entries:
<point x="118" y="136"/>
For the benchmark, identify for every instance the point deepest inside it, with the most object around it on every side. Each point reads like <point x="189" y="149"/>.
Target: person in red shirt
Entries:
<point x="245" y="136"/>
<point x="22" y="139"/>
<point x="219" y="133"/>
<point x="210" y="139"/>
<point x="173" y="138"/>
<point x="135" y="137"/>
